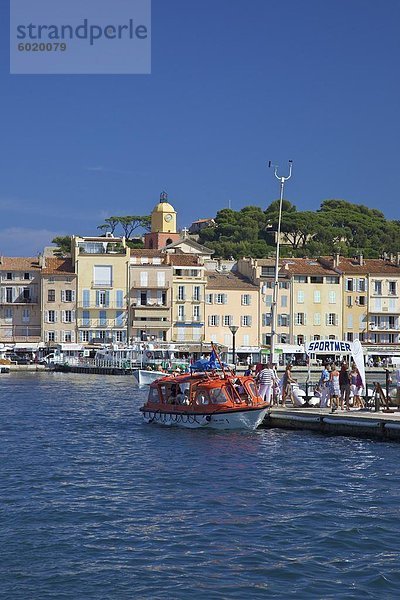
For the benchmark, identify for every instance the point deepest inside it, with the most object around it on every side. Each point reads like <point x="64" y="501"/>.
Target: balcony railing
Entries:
<point x="101" y="323"/>
<point x="88" y="305"/>
<point x="148" y="325"/>
<point x="19" y="300"/>
<point x="102" y="284"/>
<point x="138" y="285"/>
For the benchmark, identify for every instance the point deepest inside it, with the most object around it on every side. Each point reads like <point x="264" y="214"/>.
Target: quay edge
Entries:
<point x="381" y="426"/>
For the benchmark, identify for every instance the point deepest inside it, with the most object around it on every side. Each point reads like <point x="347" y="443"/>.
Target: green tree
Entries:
<point x="63" y="244"/>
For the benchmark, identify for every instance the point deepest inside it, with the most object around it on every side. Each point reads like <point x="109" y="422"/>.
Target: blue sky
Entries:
<point x="234" y="84"/>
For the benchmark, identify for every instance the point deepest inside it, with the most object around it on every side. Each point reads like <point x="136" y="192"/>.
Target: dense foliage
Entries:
<point x="337" y="226"/>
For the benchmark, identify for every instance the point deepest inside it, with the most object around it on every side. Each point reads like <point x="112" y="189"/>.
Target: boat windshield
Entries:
<point x="218" y="396"/>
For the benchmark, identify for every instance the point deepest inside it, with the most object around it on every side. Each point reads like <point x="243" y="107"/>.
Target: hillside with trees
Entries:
<point x="337" y="226"/>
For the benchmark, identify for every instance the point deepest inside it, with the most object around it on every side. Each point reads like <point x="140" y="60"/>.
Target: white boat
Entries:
<point x="144" y="377"/>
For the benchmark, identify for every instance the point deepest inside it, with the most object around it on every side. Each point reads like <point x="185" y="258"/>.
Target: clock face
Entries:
<point x="168" y="218"/>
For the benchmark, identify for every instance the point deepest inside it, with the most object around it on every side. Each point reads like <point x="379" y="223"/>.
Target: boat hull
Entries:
<point x="143" y="377"/>
<point x="237" y="419"/>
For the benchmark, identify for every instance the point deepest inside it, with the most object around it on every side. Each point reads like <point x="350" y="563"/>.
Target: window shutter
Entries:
<point x="326" y="319"/>
<point x="56" y="336"/>
<point x="56" y="316"/>
<point x="336" y="320"/>
<point x="217" y="321"/>
<point x="304" y="318"/>
<point x="209" y="320"/>
<point x="46" y="316"/>
<point x="107" y="298"/>
<point x="249" y="298"/>
<point x="120" y="298"/>
<point x="224" y="298"/>
<point x="72" y="336"/>
<point x="63" y="316"/>
<point x="86" y="298"/>
<point x="73" y="318"/>
<point x="62" y="295"/>
<point x="97" y="298"/>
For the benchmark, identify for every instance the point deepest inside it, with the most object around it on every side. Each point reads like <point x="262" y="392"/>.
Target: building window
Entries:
<point x="392" y="288"/>
<point x="181" y="292"/>
<point x="196" y="313"/>
<point x="284" y="301"/>
<point x="316" y="279"/>
<point x="51" y="316"/>
<point x="194" y="273"/>
<point x="332" y="297"/>
<point x="67" y="337"/>
<point x="51" y="336"/>
<point x="213" y="320"/>
<point x="284" y="285"/>
<point x="349" y="285"/>
<point x="220" y="298"/>
<point x="378" y="288"/>
<point x="27" y="276"/>
<point x="300" y="297"/>
<point x="68" y="316"/>
<point x="9" y="276"/>
<point x="9" y="294"/>
<point x="283" y="320"/>
<point x="196" y="293"/>
<point x="84" y="336"/>
<point x="245" y="299"/>
<point x="209" y="298"/>
<point x="246" y="321"/>
<point x="331" y="319"/>
<point x="361" y="285"/>
<point x="102" y="275"/>
<point x="51" y="295"/>
<point x="361" y="300"/>
<point x="317" y="318"/>
<point x="332" y="279"/>
<point x="69" y="296"/>
<point x="8" y="315"/>
<point x="268" y="300"/>
<point x="300" y="278"/>
<point x="300" y="319"/>
<point x="317" y="297"/>
<point x="266" y="320"/>
<point x="181" y="312"/>
<point x="227" y="320"/>
<point x="26" y="315"/>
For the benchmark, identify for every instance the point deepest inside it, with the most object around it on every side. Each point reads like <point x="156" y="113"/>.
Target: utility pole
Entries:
<point x="274" y="306"/>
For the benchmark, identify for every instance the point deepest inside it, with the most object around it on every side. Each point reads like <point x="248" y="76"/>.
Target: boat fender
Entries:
<point x="149" y="354"/>
<point x="208" y="418"/>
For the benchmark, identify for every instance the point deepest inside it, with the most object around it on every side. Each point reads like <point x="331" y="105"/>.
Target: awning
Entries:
<point x="71" y="347"/>
<point x="32" y="347"/>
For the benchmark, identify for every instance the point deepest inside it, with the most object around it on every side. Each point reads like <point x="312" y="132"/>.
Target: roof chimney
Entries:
<point x="336" y="259"/>
<point x="361" y="260"/>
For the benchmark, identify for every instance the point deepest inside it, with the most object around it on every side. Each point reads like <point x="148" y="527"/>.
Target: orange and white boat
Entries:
<point x="206" y="399"/>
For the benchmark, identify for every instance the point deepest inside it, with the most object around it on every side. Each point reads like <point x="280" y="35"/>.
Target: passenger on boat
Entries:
<point x="175" y="392"/>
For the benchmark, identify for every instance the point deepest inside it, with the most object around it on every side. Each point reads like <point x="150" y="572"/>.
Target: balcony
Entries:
<point x="19" y="300"/>
<point x="101" y="323"/>
<point x="154" y="324"/>
<point x="93" y="305"/>
<point x="102" y="285"/>
<point x="150" y="285"/>
<point x="150" y="304"/>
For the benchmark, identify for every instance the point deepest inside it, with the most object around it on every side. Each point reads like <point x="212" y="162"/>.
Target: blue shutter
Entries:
<point x="103" y="317"/>
<point x="85" y="318"/>
<point x="119" y="318"/>
<point x="86" y="298"/>
<point x="97" y="298"/>
<point x="120" y="299"/>
<point x="107" y="299"/>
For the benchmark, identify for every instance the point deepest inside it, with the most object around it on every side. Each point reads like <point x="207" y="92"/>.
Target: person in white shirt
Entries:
<point x="266" y="379"/>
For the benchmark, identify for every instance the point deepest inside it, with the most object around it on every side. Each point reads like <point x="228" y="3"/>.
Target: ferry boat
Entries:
<point x="205" y="399"/>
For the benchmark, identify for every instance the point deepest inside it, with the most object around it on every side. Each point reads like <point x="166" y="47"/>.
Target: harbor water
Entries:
<point x="97" y="505"/>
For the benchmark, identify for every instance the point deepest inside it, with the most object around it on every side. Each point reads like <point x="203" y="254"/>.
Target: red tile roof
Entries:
<point x="58" y="266"/>
<point x="232" y="281"/>
<point x="19" y="263"/>
<point x="374" y="266"/>
<point x="184" y="260"/>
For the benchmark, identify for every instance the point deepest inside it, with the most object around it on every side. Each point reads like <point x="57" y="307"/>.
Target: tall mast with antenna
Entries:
<point x="274" y="306"/>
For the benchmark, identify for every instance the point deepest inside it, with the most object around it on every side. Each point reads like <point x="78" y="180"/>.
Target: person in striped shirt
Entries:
<point x="266" y="379"/>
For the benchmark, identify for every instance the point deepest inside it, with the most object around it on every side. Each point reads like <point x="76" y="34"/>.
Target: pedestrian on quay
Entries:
<point x="344" y="383"/>
<point x="323" y="386"/>
<point x="334" y="388"/>
<point x="265" y="379"/>
<point x="287" y="381"/>
<point x="356" y="386"/>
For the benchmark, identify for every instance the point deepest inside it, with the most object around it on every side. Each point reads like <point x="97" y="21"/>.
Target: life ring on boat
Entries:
<point x="149" y="354"/>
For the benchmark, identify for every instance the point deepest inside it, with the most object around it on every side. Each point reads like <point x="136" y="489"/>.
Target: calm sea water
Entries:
<point x="96" y="505"/>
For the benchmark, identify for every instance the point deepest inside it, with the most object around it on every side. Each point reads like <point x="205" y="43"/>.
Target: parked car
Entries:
<point x="20" y="360"/>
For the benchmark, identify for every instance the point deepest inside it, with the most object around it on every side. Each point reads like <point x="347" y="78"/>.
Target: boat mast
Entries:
<point x="274" y="305"/>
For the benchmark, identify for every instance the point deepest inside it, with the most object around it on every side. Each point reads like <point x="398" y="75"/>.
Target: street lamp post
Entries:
<point x="274" y="306"/>
<point x="233" y="329"/>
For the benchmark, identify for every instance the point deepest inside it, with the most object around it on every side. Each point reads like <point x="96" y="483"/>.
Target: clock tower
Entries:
<point x="163" y="225"/>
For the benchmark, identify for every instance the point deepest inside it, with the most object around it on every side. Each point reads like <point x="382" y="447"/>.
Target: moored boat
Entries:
<point x="207" y="399"/>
